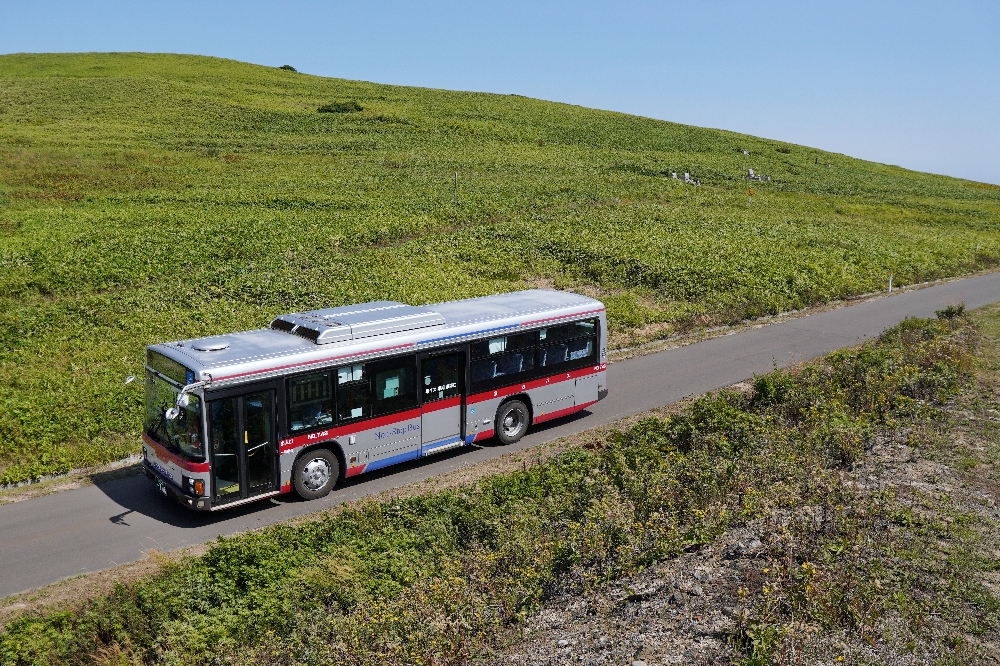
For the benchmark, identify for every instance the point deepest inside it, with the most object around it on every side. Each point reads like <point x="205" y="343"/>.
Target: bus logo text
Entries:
<point x="398" y="430"/>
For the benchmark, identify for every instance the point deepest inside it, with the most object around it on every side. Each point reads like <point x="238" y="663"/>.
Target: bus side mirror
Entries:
<point x="183" y="400"/>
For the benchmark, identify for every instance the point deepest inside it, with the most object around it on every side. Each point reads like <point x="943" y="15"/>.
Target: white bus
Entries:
<point x="325" y="395"/>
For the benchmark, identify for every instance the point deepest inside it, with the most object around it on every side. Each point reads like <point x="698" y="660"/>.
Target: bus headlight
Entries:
<point x="194" y="486"/>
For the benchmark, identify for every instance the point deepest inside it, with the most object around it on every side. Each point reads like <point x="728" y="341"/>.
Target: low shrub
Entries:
<point x="340" y="107"/>
<point x="951" y="312"/>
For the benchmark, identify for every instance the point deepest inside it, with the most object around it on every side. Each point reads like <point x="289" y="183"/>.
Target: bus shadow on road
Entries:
<point x="137" y="495"/>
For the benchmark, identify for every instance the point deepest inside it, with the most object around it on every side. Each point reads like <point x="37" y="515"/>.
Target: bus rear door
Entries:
<point x="442" y="390"/>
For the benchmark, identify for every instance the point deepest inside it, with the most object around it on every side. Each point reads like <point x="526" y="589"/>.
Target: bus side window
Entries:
<point x="504" y="355"/>
<point x="310" y="402"/>
<point x="570" y="342"/>
<point x="353" y="392"/>
<point x="395" y="385"/>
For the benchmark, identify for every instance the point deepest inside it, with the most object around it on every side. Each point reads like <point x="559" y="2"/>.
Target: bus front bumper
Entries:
<point x="169" y="489"/>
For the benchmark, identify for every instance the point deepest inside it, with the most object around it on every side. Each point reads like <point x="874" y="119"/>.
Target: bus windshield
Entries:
<point x="181" y="435"/>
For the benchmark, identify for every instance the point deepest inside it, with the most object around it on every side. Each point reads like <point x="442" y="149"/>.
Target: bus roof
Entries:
<point x="333" y="336"/>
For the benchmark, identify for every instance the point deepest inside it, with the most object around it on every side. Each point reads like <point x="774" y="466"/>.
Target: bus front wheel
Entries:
<point x="315" y="474"/>
<point x="511" y="422"/>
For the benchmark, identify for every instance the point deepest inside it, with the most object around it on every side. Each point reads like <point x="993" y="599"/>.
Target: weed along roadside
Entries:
<point x="745" y="527"/>
<point x="149" y="197"/>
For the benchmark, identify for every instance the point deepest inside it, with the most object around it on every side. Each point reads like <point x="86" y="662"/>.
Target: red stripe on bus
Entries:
<point x="163" y="454"/>
<point x="287" y="488"/>
<point x="303" y="363"/>
<point x="349" y="429"/>
<point x="569" y="316"/>
<point x="354" y="471"/>
<point x="442" y="404"/>
<point x="562" y="412"/>
<point x="536" y="383"/>
<point x="486" y="434"/>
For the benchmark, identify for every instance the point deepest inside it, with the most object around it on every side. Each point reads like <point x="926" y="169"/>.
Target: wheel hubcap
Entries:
<point x="316" y="474"/>
<point x="511" y="423"/>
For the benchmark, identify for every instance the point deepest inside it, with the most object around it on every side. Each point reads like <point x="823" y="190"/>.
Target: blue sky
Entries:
<point x="910" y="83"/>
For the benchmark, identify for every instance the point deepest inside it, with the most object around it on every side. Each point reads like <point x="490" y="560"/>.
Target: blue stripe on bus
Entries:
<point x="385" y="462"/>
<point x="464" y="335"/>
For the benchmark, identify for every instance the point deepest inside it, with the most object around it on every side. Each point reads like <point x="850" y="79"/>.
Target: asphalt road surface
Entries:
<point x="47" y="539"/>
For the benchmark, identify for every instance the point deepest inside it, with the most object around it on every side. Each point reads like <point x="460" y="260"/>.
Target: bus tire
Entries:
<point x="512" y="421"/>
<point x="315" y="473"/>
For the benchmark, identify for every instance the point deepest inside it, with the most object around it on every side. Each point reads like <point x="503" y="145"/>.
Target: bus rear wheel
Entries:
<point x="511" y="422"/>
<point x="315" y="474"/>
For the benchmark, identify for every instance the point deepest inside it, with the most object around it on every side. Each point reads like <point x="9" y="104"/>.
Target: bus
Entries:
<point x="322" y="396"/>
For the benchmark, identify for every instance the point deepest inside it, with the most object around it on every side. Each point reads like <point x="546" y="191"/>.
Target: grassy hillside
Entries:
<point x="151" y="197"/>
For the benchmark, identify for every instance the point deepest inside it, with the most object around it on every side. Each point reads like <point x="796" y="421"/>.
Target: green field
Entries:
<point x="153" y="197"/>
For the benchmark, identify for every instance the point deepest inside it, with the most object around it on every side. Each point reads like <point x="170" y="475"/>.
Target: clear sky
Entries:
<point x="910" y="83"/>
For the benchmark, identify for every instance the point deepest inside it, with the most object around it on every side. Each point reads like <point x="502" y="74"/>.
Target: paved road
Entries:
<point x="46" y="539"/>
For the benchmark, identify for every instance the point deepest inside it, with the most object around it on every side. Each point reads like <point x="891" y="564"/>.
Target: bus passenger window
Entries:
<point x="310" y="402"/>
<point x="350" y="373"/>
<point x="511" y="364"/>
<point x="395" y="385"/>
<point x="500" y="366"/>
<point x="484" y="369"/>
<point x="580" y="348"/>
<point x="505" y="343"/>
<point x="353" y="393"/>
<point x="569" y="342"/>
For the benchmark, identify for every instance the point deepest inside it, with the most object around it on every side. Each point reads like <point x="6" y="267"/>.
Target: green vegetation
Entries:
<point x="445" y="577"/>
<point x="340" y="107"/>
<point x="153" y="197"/>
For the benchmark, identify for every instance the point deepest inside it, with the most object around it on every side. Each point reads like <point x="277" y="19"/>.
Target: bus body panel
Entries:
<point x="270" y="356"/>
<point x="555" y="395"/>
<point x="441" y="425"/>
<point x="174" y="475"/>
<point x="586" y="388"/>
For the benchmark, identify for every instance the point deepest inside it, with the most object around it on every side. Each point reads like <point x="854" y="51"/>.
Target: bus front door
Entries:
<point x="442" y="388"/>
<point x="243" y="446"/>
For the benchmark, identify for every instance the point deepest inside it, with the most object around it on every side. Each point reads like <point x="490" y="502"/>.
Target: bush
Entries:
<point x="951" y="312"/>
<point x="783" y="149"/>
<point x="340" y="107"/>
<point x="289" y="68"/>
